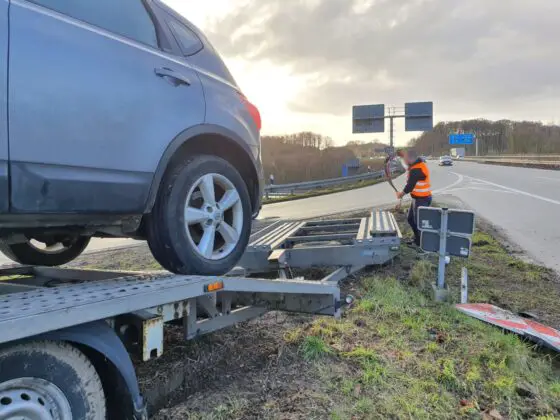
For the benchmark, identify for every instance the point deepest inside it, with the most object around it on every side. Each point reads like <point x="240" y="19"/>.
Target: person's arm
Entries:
<point x="414" y="176"/>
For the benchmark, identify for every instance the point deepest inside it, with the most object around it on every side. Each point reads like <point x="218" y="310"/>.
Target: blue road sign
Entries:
<point x="467" y="138"/>
<point x="368" y="119"/>
<point x="419" y="116"/>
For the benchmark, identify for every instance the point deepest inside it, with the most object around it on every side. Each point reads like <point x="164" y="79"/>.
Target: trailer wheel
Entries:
<point x="49" y="380"/>
<point x="201" y="221"/>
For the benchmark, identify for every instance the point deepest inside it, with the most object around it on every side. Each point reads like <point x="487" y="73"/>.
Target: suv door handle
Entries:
<point x="177" y="78"/>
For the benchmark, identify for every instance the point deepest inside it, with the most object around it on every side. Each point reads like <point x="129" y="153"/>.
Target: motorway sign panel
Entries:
<point x="429" y="218"/>
<point x="466" y="138"/>
<point x="429" y="241"/>
<point x="458" y="226"/>
<point x="368" y="118"/>
<point x="457" y="246"/>
<point x="460" y="222"/>
<point x="419" y="116"/>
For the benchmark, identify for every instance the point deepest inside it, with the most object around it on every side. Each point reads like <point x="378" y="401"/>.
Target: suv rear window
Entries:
<point x="128" y="18"/>
<point x="188" y="41"/>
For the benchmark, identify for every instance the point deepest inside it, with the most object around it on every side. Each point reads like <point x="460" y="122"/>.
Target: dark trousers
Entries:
<point x="413" y="214"/>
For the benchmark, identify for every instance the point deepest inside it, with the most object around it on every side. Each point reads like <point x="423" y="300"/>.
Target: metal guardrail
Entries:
<point x="519" y="158"/>
<point x="302" y="187"/>
<point x="526" y="161"/>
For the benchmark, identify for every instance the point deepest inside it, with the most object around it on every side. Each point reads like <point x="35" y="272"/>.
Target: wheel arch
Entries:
<point x="217" y="141"/>
<point x="99" y="342"/>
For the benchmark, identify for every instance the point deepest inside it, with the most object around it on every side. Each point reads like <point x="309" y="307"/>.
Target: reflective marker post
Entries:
<point x="464" y="285"/>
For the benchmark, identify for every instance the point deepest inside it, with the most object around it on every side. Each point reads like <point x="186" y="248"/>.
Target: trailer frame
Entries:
<point x="109" y="315"/>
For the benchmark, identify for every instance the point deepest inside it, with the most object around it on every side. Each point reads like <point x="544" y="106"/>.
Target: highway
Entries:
<point x="521" y="202"/>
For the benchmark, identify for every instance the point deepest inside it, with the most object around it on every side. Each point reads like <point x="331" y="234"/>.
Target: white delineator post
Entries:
<point x="464" y="285"/>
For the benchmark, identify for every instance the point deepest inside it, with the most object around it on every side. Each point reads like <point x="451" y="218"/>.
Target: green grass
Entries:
<point x="496" y="276"/>
<point x="399" y="355"/>
<point x="314" y="348"/>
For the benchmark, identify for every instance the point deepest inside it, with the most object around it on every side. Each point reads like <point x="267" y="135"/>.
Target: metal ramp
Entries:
<point x="354" y="242"/>
<point x="37" y="300"/>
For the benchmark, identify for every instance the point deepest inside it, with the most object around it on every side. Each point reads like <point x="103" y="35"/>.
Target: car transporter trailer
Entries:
<point x="66" y="334"/>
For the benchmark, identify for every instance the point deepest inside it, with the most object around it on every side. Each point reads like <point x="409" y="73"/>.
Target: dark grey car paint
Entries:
<point x="4" y="152"/>
<point x="95" y="117"/>
<point x="103" y="112"/>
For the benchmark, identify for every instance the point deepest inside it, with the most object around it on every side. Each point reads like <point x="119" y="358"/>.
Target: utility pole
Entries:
<point x="476" y="144"/>
<point x="391" y="130"/>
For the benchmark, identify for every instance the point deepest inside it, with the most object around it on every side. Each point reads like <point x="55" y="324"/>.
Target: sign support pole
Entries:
<point x="442" y="248"/>
<point x="476" y="145"/>
<point x="391" y="132"/>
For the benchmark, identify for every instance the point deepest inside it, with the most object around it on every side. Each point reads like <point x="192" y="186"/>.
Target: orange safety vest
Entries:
<point x="422" y="188"/>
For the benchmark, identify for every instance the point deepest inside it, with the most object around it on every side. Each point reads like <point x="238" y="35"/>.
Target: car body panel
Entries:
<point x="4" y="151"/>
<point x="226" y="112"/>
<point x="74" y="91"/>
<point x="112" y="144"/>
<point x="194" y="132"/>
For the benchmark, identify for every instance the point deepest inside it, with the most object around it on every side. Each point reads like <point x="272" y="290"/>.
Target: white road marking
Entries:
<point x="467" y="188"/>
<point x="535" y="196"/>
<point x="551" y="179"/>
<point x="459" y="180"/>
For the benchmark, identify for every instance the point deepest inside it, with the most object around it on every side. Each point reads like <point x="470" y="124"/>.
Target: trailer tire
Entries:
<point x="178" y="238"/>
<point x="52" y="378"/>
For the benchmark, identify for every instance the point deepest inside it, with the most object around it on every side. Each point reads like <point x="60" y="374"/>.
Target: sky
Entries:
<point x="305" y="63"/>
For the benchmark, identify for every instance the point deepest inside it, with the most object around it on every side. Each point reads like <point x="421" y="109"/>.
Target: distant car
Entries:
<point x="445" y="161"/>
<point x="123" y="122"/>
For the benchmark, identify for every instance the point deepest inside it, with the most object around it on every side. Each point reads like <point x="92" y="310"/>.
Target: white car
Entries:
<point x="445" y="161"/>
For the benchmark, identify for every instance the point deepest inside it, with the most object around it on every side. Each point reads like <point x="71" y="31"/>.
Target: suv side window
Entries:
<point x="128" y="18"/>
<point x="187" y="39"/>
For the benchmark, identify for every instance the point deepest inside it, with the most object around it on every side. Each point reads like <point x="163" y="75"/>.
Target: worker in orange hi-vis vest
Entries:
<point x="419" y="187"/>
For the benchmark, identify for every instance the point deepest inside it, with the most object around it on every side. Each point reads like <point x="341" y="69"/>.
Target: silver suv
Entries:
<point x="119" y="119"/>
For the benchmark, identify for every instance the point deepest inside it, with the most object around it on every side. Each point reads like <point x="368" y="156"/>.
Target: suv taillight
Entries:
<point x="253" y="111"/>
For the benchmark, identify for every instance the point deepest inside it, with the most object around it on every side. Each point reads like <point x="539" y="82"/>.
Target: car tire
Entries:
<point x="201" y="221"/>
<point x="28" y="254"/>
<point x="50" y="379"/>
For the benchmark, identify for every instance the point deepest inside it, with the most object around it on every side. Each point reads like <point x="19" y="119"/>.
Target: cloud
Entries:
<point x="470" y="56"/>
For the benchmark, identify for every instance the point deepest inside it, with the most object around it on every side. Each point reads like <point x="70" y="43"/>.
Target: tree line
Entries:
<point x="494" y="137"/>
<point x="308" y="156"/>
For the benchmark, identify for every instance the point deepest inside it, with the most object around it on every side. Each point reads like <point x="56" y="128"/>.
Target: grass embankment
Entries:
<point x="395" y="354"/>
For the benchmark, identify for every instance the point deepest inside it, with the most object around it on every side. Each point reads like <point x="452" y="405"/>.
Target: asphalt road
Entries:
<point x="522" y="202"/>
<point x="525" y="203"/>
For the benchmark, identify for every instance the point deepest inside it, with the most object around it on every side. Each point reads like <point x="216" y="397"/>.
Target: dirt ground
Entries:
<point x="302" y="367"/>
